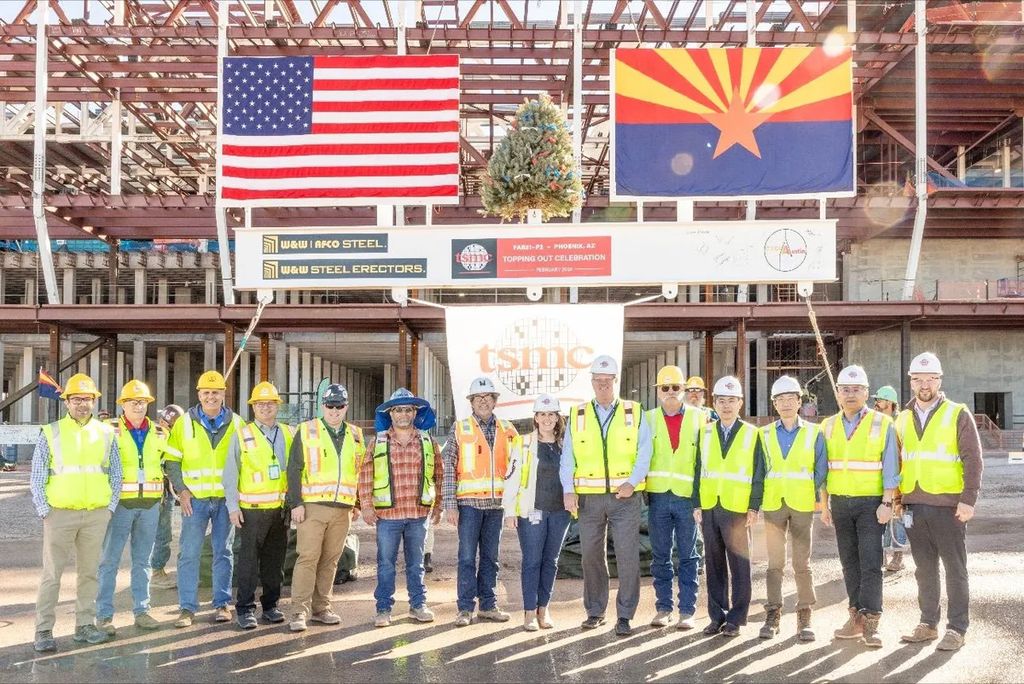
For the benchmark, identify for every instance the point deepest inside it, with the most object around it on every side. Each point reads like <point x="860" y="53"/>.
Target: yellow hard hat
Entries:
<point x="80" y="383"/>
<point x="695" y="382"/>
<point x="670" y="375"/>
<point x="211" y="380"/>
<point x="264" y="391"/>
<point x="135" y="389"/>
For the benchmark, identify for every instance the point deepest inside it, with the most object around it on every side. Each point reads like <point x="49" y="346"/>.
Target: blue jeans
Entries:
<point x="162" y="547"/>
<point x="895" y="536"/>
<point x="213" y="512"/>
<point x="9" y="454"/>
<point x="410" y="532"/>
<point x="540" y="544"/>
<point x="478" y="529"/>
<point x="139" y="524"/>
<point x="670" y="520"/>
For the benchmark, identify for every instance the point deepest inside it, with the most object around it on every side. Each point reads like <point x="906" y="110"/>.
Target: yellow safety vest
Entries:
<point x="672" y="471"/>
<point x="931" y="461"/>
<point x="328" y="477"/>
<point x="604" y="462"/>
<point x="481" y="470"/>
<point x="790" y="480"/>
<point x="147" y="464"/>
<point x="79" y="464"/>
<point x="728" y="479"/>
<point x="257" y="485"/>
<point x="384" y="486"/>
<point x="855" y="464"/>
<point x="202" y="465"/>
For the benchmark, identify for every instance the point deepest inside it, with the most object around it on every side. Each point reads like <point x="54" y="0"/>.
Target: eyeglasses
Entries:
<point x="80" y="401"/>
<point x="695" y="390"/>
<point x="404" y="409"/>
<point x="670" y="388"/>
<point x="135" y="403"/>
<point x="335" y="407"/>
<point x="264" y="404"/>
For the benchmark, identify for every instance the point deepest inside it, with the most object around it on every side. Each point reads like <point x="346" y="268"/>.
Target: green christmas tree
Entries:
<point x="533" y="167"/>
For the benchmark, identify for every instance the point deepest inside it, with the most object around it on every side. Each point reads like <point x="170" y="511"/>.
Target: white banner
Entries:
<point x="530" y="350"/>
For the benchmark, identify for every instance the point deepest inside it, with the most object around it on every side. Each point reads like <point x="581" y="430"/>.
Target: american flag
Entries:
<point x="318" y="131"/>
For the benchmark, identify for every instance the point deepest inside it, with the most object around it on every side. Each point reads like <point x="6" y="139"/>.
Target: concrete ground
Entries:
<point x="356" y="652"/>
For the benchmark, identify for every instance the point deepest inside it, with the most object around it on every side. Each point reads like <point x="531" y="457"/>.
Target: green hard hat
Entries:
<point x="888" y="393"/>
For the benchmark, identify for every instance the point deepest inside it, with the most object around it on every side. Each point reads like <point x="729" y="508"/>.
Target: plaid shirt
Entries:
<point x="451" y="455"/>
<point x="41" y="474"/>
<point x="406" y="473"/>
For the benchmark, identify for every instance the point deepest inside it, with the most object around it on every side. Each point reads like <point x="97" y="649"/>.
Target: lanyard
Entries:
<point x="604" y="424"/>
<point x="271" y="438"/>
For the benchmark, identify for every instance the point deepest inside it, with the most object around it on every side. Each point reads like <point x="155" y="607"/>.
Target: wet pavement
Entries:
<point x="357" y="652"/>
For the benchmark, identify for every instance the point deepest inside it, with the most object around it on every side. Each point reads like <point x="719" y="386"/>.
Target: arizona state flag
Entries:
<point x="48" y="387"/>
<point x="732" y="122"/>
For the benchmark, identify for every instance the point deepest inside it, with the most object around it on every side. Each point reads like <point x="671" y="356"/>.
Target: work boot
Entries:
<point x="923" y="632"/>
<point x="146" y="621"/>
<point x="870" y="637"/>
<point x="106" y="625"/>
<point x="896" y="564"/>
<point x="804" y="631"/>
<point x="464" y="618"/>
<point x="185" y="619"/>
<point x="952" y="640"/>
<point x="44" y="643"/>
<point x="662" y="619"/>
<point x="622" y="627"/>
<point x="162" y="580"/>
<point x="428" y="565"/>
<point x="770" y="628"/>
<point x="854" y="627"/>
<point x="222" y="614"/>
<point x="90" y="634"/>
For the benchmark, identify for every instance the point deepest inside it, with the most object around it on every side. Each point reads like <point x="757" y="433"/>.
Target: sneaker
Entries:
<point x="853" y="628"/>
<point x="685" y="621"/>
<point x="730" y="630"/>
<point x="952" y="640"/>
<point x="770" y="628"/>
<point x="463" y="618"/>
<point x="494" y="615"/>
<point x="923" y="632"/>
<point x="593" y="621"/>
<point x="222" y="614"/>
<point x="383" y="618"/>
<point x="185" y="619"/>
<point x="870" y="636"/>
<point x="89" y="633"/>
<point x="273" y="615"/>
<point x="804" y="631"/>
<point x="106" y="625"/>
<point x="162" y="580"/>
<point x="544" y="618"/>
<point x="428" y="565"/>
<point x="326" y="617"/>
<point x="246" y="619"/>
<point x="298" y="623"/>
<point x="530" y="623"/>
<point x="44" y="642"/>
<point x="662" y="619"/>
<point x="10" y="468"/>
<point x="146" y="621"/>
<point x="713" y="629"/>
<point x="421" y="614"/>
<point x="622" y="627"/>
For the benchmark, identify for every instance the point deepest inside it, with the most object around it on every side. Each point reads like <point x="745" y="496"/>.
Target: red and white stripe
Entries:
<point x="385" y="131"/>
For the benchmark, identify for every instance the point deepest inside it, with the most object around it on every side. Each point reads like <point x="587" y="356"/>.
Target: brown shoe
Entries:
<point x="870" y="637"/>
<point x="222" y="614"/>
<point x="772" y="617"/>
<point x="951" y="641"/>
<point x="923" y="632"/>
<point x="896" y="564"/>
<point x="854" y="627"/>
<point x="804" y="631"/>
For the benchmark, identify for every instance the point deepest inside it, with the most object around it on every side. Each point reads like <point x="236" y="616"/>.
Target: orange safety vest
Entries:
<point x="480" y="473"/>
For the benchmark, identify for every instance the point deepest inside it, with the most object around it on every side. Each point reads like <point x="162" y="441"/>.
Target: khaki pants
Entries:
<point x="319" y="542"/>
<point x="798" y="524"/>
<point x="66" y="531"/>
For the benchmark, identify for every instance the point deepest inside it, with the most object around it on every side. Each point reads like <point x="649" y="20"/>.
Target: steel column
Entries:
<point x="39" y="156"/>
<point x="921" y="149"/>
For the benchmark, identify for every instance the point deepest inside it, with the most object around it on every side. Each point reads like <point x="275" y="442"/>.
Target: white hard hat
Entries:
<point x="728" y="386"/>
<point x="482" y="385"/>
<point x="604" y="365"/>
<point x="853" y="375"/>
<point x="925" y="362"/>
<point x="786" y="384"/>
<point x="546" y="402"/>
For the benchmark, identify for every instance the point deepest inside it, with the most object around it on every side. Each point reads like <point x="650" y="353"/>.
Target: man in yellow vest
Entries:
<point x="863" y="473"/>
<point x="203" y="436"/>
<point x="323" y="476"/>
<point x="398" y="494"/>
<point x="796" y="468"/>
<point x="142" y="446"/>
<point x="696" y="396"/>
<point x="475" y="461"/>
<point x="676" y="430"/>
<point x="606" y="453"/>
<point x="726" y="498"/>
<point x="75" y="483"/>
<point x="940" y="481"/>
<point x="255" y="482"/>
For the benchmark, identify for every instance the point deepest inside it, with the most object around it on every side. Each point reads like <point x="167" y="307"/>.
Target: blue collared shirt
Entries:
<point x="890" y="451"/>
<point x="644" y="448"/>
<point x="786" y="439"/>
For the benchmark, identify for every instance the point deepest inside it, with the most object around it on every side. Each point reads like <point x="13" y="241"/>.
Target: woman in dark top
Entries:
<point x="533" y="505"/>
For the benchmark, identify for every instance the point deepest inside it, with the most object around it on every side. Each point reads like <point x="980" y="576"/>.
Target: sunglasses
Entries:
<point x="670" y="388"/>
<point x="335" y="407"/>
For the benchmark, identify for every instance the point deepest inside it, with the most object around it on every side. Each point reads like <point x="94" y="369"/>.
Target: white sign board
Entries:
<point x="530" y="350"/>
<point x="598" y="254"/>
<point x="19" y="434"/>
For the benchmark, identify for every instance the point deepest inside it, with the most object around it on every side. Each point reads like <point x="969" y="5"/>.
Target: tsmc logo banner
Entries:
<point x="530" y="350"/>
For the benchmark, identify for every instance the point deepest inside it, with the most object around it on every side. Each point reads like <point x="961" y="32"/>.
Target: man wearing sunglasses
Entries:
<point x="323" y="475"/>
<point x="696" y="396"/>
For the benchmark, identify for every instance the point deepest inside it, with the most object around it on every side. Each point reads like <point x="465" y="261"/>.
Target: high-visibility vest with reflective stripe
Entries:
<point x="329" y="477"/>
<point x="202" y="465"/>
<point x="384" y="486"/>
<point x="480" y="473"/>
<point x="79" y="464"/>
<point x="527" y="454"/>
<point x="931" y="461"/>
<point x="855" y="464"/>
<point x="604" y="462"/>
<point x="727" y="479"/>
<point x="790" y="480"/>
<point x="133" y="464"/>
<point x="256" y="489"/>
<point x="672" y="470"/>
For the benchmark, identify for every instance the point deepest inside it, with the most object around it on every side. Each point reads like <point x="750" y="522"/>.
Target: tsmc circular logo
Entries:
<point x="474" y="257"/>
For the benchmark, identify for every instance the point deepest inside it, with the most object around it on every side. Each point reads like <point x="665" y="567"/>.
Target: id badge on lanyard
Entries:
<point x="274" y="471"/>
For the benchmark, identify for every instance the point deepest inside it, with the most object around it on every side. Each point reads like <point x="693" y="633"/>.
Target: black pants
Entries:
<point x="727" y="558"/>
<point x="937" y="535"/>
<point x="859" y="538"/>
<point x="260" y="559"/>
